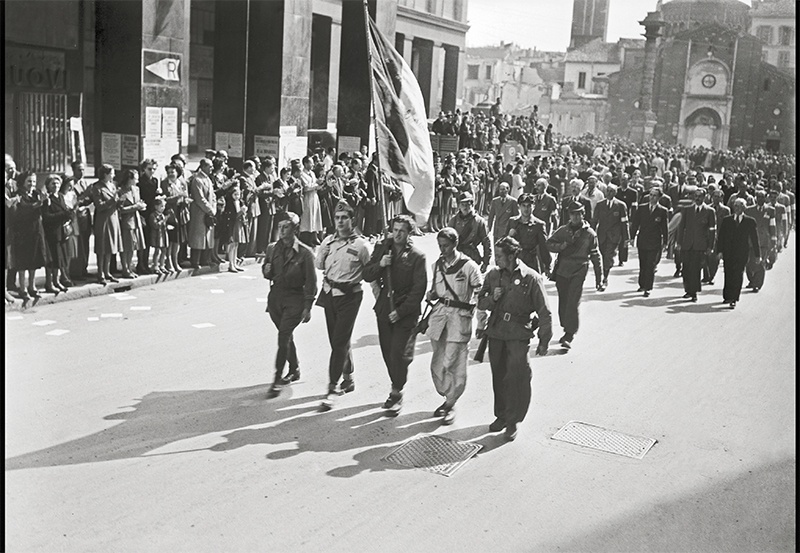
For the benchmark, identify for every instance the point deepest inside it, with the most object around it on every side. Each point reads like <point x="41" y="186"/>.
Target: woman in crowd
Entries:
<point x="11" y="198"/>
<point x="130" y="220"/>
<point x="177" y="197"/>
<point x="107" y="235"/>
<point x="28" y="241"/>
<point x="58" y="231"/>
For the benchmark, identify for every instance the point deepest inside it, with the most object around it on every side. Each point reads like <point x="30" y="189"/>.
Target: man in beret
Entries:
<point x="530" y="233"/>
<point x="342" y="257"/>
<point x="472" y="231"/>
<point x="576" y="244"/>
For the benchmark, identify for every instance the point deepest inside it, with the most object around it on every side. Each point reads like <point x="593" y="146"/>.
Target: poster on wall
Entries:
<point x="111" y="149"/>
<point x="169" y="122"/>
<point x="292" y="148"/>
<point x="231" y="142"/>
<point x="348" y="144"/>
<point x="161" y="150"/>
<point x="266" y="146"/>
<point x="152" y="125"/>
<point x="130" y="150"/>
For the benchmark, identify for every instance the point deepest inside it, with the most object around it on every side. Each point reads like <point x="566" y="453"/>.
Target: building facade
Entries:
<point x="149" y="78"/>
<point x="589" y="22"/>
<point x="774" y="23"/>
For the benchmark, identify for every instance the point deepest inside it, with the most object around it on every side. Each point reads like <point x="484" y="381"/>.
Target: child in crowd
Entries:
<point x="236" y="219"/>
<point x="158" y="236"/>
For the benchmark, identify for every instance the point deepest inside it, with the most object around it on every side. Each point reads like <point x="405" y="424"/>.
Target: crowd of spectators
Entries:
<point x="145" y="222"/>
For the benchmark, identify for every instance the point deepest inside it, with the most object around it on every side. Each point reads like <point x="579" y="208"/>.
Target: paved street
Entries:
<point x="137" y="431"/>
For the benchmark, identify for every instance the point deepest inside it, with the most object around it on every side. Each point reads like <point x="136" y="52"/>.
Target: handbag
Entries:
<point x="67" y="229"/>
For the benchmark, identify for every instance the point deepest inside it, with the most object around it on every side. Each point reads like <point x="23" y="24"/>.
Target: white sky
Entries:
<point x="545" y="24"/>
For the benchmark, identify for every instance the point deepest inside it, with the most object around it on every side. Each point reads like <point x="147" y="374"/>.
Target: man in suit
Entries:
<point x="611" y="223"/>
<point x="736" y="238"/>
<point x="650" y="222"/>
<point x="721" y="211"/>
<point x="765" y="227"/>
<point x="545" y="207"/>
<point x="630" y="197"/>
<point x="568" y="201"/>
<point x="695" y="241"/>
<point x="503" y="208"/>
<point x="204" y="203"/>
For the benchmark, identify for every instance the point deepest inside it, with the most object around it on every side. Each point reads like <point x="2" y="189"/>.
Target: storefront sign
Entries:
<point x="130" y="150"/>
<point x="111" y="149"/>
<point x="169" y="122"/>
<point x="29" y="68"/>
<point x="266" y="146"/>
<point x="162" y="68"/>
<point x="152" y="122"/>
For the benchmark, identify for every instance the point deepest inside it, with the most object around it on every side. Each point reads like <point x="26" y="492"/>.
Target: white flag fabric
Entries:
<point x="404" y="144"/>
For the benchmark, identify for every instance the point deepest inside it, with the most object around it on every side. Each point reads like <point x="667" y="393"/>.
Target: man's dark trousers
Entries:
<point x="340" y="318"/>
<point x="734" y="277"/>
<point x="286" y="311"/>
<point x="692" y="268"/>
<point x="397" y="346"/>
<point x="569" y="298"/>
<point x="511" y="378"/>
<point x="648" y="260"/>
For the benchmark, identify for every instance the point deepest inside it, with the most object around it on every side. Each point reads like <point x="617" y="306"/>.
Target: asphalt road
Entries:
<point x="137" y="431"/>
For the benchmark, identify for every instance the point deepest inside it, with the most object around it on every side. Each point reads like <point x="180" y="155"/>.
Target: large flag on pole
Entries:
<point x="403" y="142"/>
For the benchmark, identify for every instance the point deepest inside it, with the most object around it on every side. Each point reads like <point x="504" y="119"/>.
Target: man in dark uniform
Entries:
<point x="576" y="244"/>
<point x="695" y="240"/>
<point x="737" y="235"/>
<point x="399" y="268"/>
<point x="529" y="232"/>
<point x="502" y="209"/>
<point x="630" y="197"/>
<point x="513" y="293"/>
<point x="611" y="224"/>
<point x="764" y="215"/>
<point x="712" y="261"/>
<point x="289" y="264"/>
<point x="472" y="231"/>
<point x="650" y="222"/>
<point x="545" y="206"/>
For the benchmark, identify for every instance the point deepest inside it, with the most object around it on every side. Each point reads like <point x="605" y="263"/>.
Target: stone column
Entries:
<point x="643" y="121"/>
<point x="450" y="81"/>
<point x="142" y="70"/>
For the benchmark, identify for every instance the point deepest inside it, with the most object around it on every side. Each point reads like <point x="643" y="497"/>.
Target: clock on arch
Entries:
<point x="709" y="81"/>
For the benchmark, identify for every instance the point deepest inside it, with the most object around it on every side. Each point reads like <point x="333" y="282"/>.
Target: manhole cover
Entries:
<point x="434" y="454"/>
<point x="610" y="441"/>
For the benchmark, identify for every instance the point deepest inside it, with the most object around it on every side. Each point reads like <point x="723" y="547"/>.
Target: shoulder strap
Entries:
<point x="440" y="267"/>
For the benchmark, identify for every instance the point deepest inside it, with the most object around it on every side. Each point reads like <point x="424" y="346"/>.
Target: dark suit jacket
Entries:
<point x="611" y="221"/>
<point x="567" y="201"/>
<point x="697" y="227"/>
<point x="499" y="215"/>
<point x="765" y="223"/>
<point x="735" y="240"/>
<point x="651" y="227"/>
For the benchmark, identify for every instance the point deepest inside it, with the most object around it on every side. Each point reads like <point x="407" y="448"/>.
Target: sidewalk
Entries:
<point x="89" y="287"/>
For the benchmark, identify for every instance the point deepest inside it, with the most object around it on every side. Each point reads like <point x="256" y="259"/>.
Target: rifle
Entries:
<point x="481" y="348"/>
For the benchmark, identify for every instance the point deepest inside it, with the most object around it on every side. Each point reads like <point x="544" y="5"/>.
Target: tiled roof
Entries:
<point x="595" y="51"/>
<point x="779" y="8"/>
<point x="484" y="52"/>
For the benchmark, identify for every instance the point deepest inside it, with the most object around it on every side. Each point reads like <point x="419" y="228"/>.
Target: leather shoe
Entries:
<point x="677" y="274"/>
<point x="647" y="293"/>
<point x="441" y="410"/>
<point x="511" y="432"/>
<point x="693" y="298"/>
<point x="756" y="289"/>
<point x="449" y="417"/>
<point x="733" y="305"/>
<point x="497" y="425"/>
<point x="687" y="295"/>
<point x="347" y="386"/>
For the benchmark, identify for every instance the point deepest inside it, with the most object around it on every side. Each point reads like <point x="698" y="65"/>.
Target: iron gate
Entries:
<point x="42" y="132"/>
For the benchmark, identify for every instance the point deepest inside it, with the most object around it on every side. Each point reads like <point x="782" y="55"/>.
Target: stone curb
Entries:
<point x="92" y="289"/>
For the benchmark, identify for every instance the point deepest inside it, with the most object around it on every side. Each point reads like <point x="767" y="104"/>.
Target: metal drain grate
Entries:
<point x="610" y="441"/>
<point x="434" y="454"/>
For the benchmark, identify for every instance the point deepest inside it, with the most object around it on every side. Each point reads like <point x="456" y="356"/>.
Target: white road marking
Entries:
<point x="44" y="323"/>
<point x="217" y="291"/>
<point x="57" y="332"/>
<point x="93" y="319"/>
<point x="15" y="318"/>
<point x="203" y="325"/>
<point x="110" y="315"/>
<point x="140" y="308"/>
<point x="248" y="277"/>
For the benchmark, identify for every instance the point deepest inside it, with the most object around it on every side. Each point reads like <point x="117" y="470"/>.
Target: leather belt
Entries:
<point x="458" y="304"/>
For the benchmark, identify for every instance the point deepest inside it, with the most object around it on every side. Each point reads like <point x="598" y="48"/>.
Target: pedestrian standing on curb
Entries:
<point x="202" y="212"/>
<point x="399" y="269"/>
<point x="289" y="265"/>
<point x="576" y="245"/>
<point x="513" y="292"/>
<point x="736" y="240"/>
<point x="342" y="257"/>
<point x="456" y="280"/>
<point x="107" y="233"/>
<point x="149" y="189"/>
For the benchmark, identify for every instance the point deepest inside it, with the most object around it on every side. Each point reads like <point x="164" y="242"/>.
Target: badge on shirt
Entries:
<point x="616" y="214"/>
<point x="516" y="282"/>
<point x="352" y="251"/>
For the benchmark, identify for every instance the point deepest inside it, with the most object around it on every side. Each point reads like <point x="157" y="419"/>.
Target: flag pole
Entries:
<point x="381" y="199"/>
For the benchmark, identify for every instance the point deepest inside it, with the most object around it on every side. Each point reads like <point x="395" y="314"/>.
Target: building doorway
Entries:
<point x="704" y="128"/>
